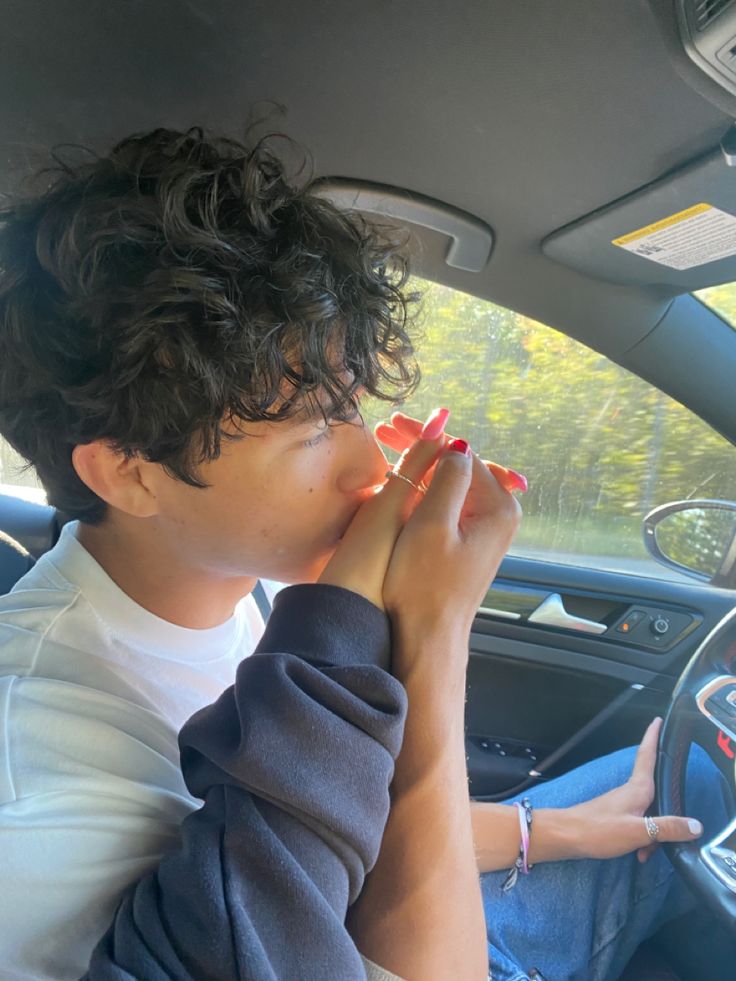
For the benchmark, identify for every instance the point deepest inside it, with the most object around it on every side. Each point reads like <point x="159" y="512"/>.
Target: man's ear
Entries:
<point x="121" y="481"/>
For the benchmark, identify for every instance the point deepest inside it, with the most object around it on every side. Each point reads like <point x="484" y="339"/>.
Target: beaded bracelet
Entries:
<point x="521" y="865"/>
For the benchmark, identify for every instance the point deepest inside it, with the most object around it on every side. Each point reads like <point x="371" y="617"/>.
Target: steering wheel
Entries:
<point x="703" y="711"/>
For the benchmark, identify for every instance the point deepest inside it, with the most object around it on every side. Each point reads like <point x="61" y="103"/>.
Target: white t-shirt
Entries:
<point x="93" y="692"/>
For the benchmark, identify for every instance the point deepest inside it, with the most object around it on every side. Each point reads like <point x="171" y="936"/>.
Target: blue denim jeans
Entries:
<point x="583" y="919"/>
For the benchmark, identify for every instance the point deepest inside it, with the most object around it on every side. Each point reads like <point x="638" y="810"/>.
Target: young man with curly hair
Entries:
<point x="184" y="341"/>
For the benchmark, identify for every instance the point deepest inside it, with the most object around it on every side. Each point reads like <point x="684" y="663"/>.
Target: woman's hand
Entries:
<point x="613" y="824"/>
<point x="361" y="559"/>
<point x="447" y="555"/>
<point x="429" y="560"/>
<point x="402" y="430"/>
<point x="442" y="564"/>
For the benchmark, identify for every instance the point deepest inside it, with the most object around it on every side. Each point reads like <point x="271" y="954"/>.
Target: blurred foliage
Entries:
<point x="722" y="299"/>
<point x="599" y="446"/>
<point x="13" y="469"/>
<point x="697" y="537"/>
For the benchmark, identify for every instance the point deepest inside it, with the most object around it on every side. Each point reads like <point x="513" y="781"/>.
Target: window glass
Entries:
<point x="722" y="299"/>
<point x="599" y="446"/>
<point x="15" y="478"/>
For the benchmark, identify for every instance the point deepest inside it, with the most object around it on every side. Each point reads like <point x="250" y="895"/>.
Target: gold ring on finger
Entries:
<point x="652" y="828"/>
<point x="420" y="487"/>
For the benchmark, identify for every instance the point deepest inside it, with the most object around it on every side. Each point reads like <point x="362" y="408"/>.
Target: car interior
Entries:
<point x="573" y="163"/>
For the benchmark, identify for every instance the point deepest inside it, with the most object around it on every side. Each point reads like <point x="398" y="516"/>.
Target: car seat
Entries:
<point x="15" y="561"/>
<point x="27" y="530"/>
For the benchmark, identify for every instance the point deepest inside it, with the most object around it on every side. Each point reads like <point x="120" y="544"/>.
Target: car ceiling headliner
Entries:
<point x="528" y="115"/>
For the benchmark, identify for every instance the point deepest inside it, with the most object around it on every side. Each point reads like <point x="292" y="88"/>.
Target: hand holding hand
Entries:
<point x="447" y="555"/>
<point x="428" y="560"/>
<point x="362" y="557"/>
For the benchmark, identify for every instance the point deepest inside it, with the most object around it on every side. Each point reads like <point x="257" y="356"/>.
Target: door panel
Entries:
<point x="547" y="698"/>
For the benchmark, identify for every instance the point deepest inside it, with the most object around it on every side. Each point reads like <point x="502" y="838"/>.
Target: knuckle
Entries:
<point x="508" y="508"/>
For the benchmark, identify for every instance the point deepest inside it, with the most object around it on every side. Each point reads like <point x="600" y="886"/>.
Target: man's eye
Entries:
<point x="315" y="440"/>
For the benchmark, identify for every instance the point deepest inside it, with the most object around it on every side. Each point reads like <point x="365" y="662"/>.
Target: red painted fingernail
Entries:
<point x="520" y="481"/>
<point x="435" y="424"/>
<point x="459" y="446"/>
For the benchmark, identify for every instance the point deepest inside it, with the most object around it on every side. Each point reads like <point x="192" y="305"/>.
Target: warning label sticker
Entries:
<point x="690" y="238"/>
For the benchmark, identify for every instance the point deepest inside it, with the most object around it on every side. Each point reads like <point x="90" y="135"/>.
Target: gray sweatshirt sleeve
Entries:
<point x="293" y="764"/>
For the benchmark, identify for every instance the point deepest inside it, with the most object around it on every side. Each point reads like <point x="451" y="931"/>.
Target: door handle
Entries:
<point x="552" y="613"/>
<point x="471" y="238"/>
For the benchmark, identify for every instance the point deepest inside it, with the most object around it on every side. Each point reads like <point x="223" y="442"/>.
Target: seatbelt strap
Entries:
<point x="262" y="602"/>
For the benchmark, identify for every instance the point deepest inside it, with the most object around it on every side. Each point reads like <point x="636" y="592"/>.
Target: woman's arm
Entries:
<point x="420" y="913"/>
<point x="605" y="827"/>
<point x="293" y="764"/>
<point x="496" y="835"/>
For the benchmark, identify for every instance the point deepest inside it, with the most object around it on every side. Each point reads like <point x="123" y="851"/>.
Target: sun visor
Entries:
<point x="679" y="231"/>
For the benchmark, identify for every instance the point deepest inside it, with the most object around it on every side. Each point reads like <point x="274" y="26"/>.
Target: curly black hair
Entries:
<point x="150" y="296"/>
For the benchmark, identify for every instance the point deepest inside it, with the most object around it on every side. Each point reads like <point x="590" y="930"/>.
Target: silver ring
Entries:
<point x="420" y="487"/>
<point x="652" y="828"/>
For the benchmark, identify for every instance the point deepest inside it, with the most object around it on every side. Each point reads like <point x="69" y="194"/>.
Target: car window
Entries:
<point x="15" y="478"/>
<point x="599" y="446"/>
<point x="722" y="299"/>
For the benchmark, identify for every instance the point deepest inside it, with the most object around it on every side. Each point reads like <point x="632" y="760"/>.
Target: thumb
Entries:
<point x="646" y="754"/>
<point x="675" y="829"/>
<point x="446" y="494"/>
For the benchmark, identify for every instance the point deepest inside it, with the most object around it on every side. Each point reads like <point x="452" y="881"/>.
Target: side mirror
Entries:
<point x="695" y="537"/>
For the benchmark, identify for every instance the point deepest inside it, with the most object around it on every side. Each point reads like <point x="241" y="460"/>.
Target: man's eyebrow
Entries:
<point x="312" y="410"/>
